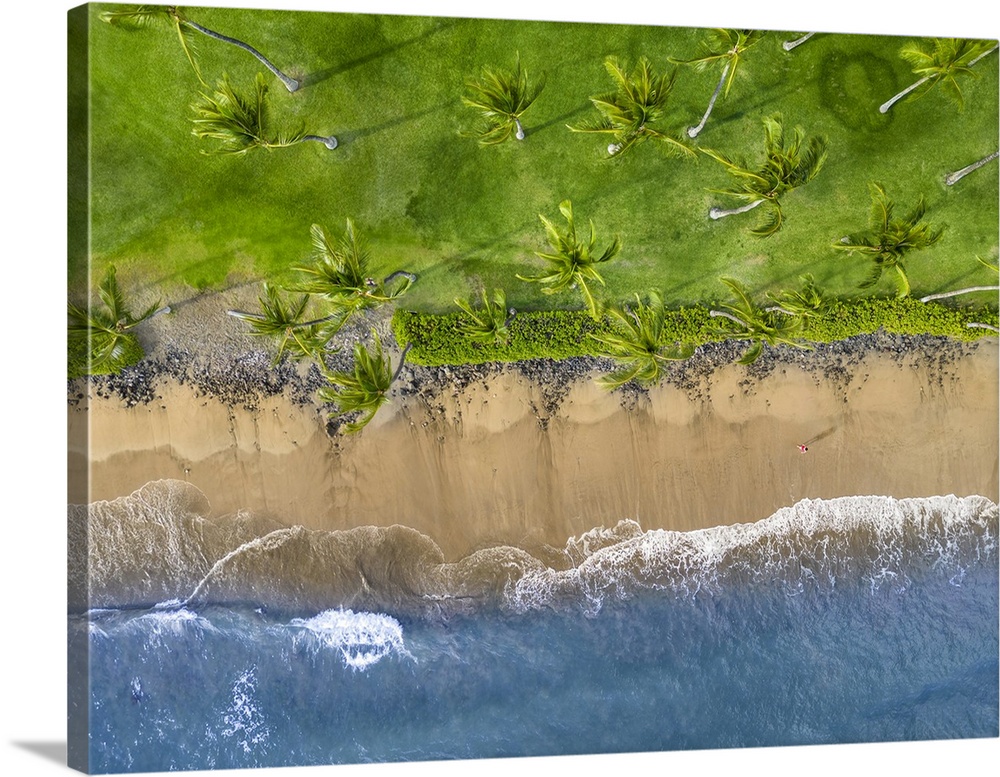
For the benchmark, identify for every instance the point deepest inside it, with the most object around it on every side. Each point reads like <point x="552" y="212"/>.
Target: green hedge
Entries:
<point x="559" y="334"/>
<point x="906" y="316"/>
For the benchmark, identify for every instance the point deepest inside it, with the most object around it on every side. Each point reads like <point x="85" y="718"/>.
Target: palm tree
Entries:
<point x="808" y="302"/>
<point x="105" y="333"/>
<point x="489" y="323"/>
<point x="364" y="389"/>
<point x="502" y="97"/>
<point x="141" y="16"/>
<point x="340" y="273"/>
<point x="888" y="240"/>
<point x="726" y="47"/>
<point x="637" y="344"/>
<point x="787" y="165"/>
<point x="241" y="121"/>
<point x="746" y="321"/>
<point x="283" y="320"/>
<point x="952" y="178"/>
<point x="969" y="290"/>
<point x="635" y="110"/>
<point x="942" y="64"/>
<point x="572" y="262"/>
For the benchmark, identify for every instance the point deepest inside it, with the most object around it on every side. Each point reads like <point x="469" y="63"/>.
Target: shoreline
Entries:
<point x="531" y="454"/>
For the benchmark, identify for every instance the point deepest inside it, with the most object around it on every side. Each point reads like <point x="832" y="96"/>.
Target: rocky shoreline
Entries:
<point x="236" y="369"/>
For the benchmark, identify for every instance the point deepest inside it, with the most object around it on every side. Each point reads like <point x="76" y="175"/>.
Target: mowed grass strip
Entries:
<point x="175" y="220"/>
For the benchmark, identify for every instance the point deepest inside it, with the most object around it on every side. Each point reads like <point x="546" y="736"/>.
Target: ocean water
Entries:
<point x="861" y="619"/>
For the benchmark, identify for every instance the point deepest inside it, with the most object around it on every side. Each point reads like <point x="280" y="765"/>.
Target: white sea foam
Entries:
<point x="243" y="719"/>
<point x="813" y="543"/>
<point x="263" y="544"/>
<point x="160" y="628"/>
<point x="362" y="638"/>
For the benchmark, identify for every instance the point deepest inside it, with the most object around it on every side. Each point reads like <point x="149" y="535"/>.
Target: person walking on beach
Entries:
<point x="802" y="449"/>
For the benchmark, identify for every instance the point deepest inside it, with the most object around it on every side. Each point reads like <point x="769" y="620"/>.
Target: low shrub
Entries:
<point x="559" y="334"/>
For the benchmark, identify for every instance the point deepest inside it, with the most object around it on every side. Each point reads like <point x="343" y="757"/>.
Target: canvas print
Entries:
<point x="459" y="388"/>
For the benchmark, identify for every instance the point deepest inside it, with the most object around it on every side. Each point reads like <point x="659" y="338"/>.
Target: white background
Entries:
<point x="32" y="406"/>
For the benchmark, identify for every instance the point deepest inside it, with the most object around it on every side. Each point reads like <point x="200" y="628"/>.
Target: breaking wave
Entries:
<point x="158" y="545"/>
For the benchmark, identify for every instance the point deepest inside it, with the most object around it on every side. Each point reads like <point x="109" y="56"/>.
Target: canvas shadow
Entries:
<point x="48" y="750"/>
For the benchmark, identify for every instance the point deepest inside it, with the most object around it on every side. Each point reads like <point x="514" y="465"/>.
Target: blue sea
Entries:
<point x="242" y="643"/>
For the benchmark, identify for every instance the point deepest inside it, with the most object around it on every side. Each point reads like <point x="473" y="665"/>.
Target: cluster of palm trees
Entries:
<point x="637" y="111"/>
<point x="304" y="318"/>
<point x="634" y="112"/>
<point x="336" y="285"/>
<point x="239" y="119"/>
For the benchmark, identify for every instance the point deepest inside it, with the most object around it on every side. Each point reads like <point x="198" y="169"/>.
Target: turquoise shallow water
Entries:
<point x="886" y="629"/>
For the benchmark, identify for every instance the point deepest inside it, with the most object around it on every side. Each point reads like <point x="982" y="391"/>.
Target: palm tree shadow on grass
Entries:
<point x="322" y="75"/>
<point x="562" y="119"/>
<point x="347" y="136"/>
<point x="763" y="98"/>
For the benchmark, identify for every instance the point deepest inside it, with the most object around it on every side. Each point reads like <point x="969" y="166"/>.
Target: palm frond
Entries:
<point x="104" y="332"/>
<point x="283" y="320"/>
<point x="111" y="295"/>
<point x="187" y="40"/>
<point x="363" y="390"/>
<point x="786" y="166"/>
<point x="233" y="118"/>
<point x="753" y="353"/>
<point x="945" y="61"/>
<point x="571" y="261"/>
<point x="637" y="343"/>
<point x="501" y="97"/>
<point x="636" y="110"/>
<point x="743" y="320"/>
<point x="771" y="223"/>
<point x="488" y="323"/>
<point x="984" y="263"/>
<point x="136" y="17"/>
<point x="890" y="238"/>
<point x="807" y="301"/>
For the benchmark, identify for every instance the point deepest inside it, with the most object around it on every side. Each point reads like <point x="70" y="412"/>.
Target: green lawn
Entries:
<point x="461" y="215"/>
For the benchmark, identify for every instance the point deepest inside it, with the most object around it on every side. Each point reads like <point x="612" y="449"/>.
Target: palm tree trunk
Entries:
<point x="520" y="130"/>
<point x="884" y="107"/>
<point x="953" y="178"/>
<point x="329" y="141"/>
<point x="693" y="131"/>
<point x="946" y="294"/>
<point x="788" y="45"/>
<point x="976" y="325"/>
<point x="290" y="83"/>
<point x="985" y="53"/>
<point x="718" y="213"/>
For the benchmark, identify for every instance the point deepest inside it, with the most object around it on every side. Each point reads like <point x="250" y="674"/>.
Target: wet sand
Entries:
<point x="486" y="465"/>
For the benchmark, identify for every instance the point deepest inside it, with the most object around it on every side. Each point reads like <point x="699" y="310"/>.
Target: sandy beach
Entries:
<point x="493" y="460"/>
